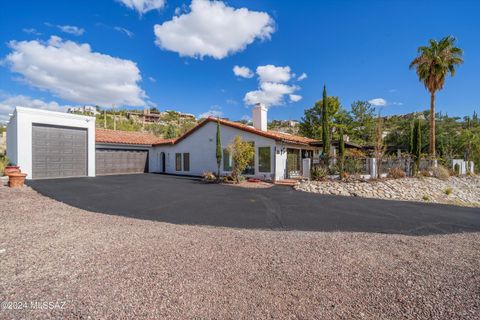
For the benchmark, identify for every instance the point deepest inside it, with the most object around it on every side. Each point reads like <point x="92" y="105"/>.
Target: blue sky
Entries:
<point x="360" y="49"/>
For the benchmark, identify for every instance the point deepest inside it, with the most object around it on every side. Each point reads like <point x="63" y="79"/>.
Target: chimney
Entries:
<point x="260" y="117"/>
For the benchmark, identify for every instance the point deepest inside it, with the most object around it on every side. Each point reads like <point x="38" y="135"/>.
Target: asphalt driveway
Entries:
<point x="184" y="200"/>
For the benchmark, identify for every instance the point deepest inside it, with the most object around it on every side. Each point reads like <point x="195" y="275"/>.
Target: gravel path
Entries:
<point x="111" y="267"/>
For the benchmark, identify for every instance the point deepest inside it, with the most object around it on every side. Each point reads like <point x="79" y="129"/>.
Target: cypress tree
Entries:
<point x="219" y="149"/>
<point x="417" y="143"/>
<point x="410" y="138"/>
<point x="325" y="126"/>
<point x="341" y="152"/>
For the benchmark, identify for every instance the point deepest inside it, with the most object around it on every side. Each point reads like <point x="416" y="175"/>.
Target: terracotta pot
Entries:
<point x="11" y="169"/>
<point x="16" y="179"/>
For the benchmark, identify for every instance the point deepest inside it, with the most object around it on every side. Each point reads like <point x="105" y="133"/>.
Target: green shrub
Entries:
<point x="353" y="165"/>
<point x="3" y="163"/>
<point x="318" y="173"/>
<point x="426" y="198"/>
<point x="448" y="191"/>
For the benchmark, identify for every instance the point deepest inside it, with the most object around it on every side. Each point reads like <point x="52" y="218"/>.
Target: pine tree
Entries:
<point x="219" y="149"/>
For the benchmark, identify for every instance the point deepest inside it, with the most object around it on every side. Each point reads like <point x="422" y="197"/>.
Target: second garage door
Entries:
<point x="120" y="161"/>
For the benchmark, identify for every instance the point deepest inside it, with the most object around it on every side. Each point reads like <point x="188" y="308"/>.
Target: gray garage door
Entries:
<point x="58" y="152"/>
<point x="115" y="161"/>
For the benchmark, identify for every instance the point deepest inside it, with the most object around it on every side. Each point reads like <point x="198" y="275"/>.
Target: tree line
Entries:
<point x="444" y="137"/>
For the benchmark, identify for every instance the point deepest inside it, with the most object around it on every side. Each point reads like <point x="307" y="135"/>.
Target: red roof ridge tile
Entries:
<point x="285" y="137"/>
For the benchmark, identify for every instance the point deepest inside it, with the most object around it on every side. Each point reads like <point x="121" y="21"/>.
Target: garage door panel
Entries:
<point x="58" y="152"/>
<point x="120" y="161"/>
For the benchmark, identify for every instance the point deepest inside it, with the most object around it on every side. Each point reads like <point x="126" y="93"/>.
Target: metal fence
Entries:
<point x="368" y="166"/>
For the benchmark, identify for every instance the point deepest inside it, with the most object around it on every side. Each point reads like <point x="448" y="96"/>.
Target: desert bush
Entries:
<point x="426" y="198"/>
<point x="3" y="163"/>
<point x="318" y="173"/>
<point x="396" y="173"/>
<point x="448" y="191"/>
<point x="425" y="173"/>
<point x="242" y="153"/>
<point x="354" y="165"/>
<point x="440" y="172"/>
<point x="208" y="176"/>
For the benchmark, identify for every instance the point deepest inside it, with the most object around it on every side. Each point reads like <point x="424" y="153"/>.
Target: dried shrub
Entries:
<point x="426" y="173"/>
<point x="440" y="172"/>
<point x="209" y="177"/>
<point x="396" y="173"/>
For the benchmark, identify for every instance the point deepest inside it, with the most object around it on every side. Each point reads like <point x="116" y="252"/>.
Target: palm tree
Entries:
<point x="433" y="63"/>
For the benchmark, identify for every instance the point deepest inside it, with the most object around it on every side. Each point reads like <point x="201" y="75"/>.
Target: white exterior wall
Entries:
<point x="280" y="161"/>
<point x="12" y="139"/>
<point x="202" y="148"/>
<point x="19" y="134"/>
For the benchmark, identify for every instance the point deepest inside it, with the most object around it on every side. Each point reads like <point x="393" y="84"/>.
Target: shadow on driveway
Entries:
<point x="184" y="200"/>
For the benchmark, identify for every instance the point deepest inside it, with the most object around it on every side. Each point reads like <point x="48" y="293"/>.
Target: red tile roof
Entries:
<point x="126" y="137"/>
<point x="279" y="136"/>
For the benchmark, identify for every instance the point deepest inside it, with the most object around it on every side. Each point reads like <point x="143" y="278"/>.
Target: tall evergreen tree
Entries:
<point x="219" y="149"/>
<point x="325" y="125"/>
<point x="410" y="138"/>
<point x="417" y="144"/>
<point x="341" y="152"/>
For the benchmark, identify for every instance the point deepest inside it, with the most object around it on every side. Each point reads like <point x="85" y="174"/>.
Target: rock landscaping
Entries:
<point x="464" y="191"/>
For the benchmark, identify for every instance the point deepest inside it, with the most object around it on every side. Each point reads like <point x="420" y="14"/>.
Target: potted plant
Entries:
<point x="11" y="168"/>
<point x="16" y="179"/>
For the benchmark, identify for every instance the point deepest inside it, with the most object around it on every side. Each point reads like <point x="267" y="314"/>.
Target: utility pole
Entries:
<point x="105" y="119"/>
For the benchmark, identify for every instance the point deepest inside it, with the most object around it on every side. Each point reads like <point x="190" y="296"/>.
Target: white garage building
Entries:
<point x="48" y="144"/>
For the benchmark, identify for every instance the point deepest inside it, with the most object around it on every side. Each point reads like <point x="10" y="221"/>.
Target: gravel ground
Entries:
<point x="109" y="267"/>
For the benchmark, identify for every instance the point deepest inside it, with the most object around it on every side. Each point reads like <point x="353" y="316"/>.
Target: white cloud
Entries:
<point x="271" y="73"/>
<point x="214" y="111"/>
<point x="303" y="76"/>
<point x="295" y="97"/>
<point x="8" y="104"/>
<point x="152" y="79"/>
<point x="378" y="102"/>
<point x="31" y="31"/>
<point x="143" y="6"/>
<point x="73" y="72"/>
<point x="397" y="103"/>
<point x="129" y="33"/>
<point x="243" y="72"/>
<point x="76" y="31"/>
<point x="273" y="87"/>
<point x="270" y="94"/>
<point x="213" y="29"/>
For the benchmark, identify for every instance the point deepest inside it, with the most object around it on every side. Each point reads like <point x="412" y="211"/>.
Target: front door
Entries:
<point x="293" y="163"/>
<point x="162" y="162"/>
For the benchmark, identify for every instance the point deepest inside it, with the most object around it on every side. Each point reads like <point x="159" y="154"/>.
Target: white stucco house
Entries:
<point x="48" y="144"/>
<point x="277" y="155"/>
